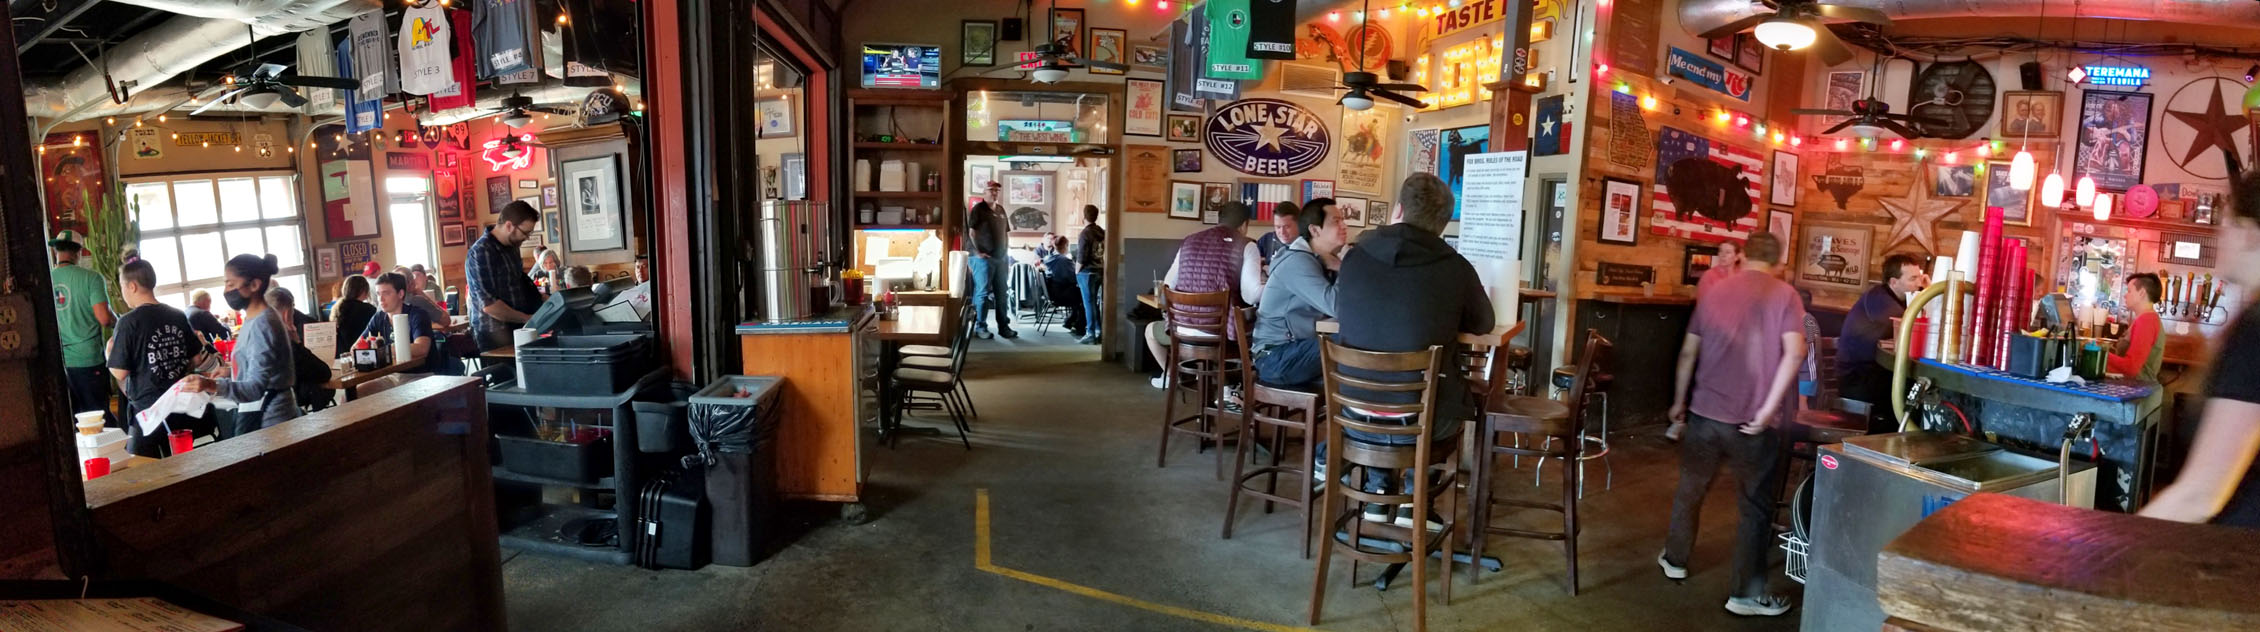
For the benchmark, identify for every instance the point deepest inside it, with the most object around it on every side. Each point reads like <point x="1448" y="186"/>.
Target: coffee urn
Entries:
<point x="794" y="259"/>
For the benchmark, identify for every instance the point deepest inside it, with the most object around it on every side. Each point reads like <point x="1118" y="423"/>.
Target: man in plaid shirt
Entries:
<point x="502" y="297"/>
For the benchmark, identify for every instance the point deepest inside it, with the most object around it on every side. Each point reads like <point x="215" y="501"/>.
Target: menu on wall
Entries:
<point x="1632" y="35"/>
<point x="1491" y="226"/>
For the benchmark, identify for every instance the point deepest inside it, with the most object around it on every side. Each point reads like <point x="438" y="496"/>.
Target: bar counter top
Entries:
<point x="838" y="321"/>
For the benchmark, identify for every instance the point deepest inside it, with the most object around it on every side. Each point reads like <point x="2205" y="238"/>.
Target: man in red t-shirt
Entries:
<point x="1749" y="335"/>
<point x="2139" y="354"/>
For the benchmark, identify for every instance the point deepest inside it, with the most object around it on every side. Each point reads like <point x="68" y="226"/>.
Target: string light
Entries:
<point x="1648" y="103"/>
<point x="1796" y="141"/>
<point x="1897" y="143"/>
<point x="1920" y="152"/>
<point x="160" y="118"/>
<point x="110" y="121"/>
<point x="1334" y="16"/>
<point x="1723" y="116"/>
<point x="1840" y="144"/>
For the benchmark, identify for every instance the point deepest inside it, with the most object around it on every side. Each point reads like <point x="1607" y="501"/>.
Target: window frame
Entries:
<point x="221" y="225"/>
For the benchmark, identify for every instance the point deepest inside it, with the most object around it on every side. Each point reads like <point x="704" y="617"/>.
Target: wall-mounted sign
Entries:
<point x="408" y="161"/>
<point x="1460" y="72"/>
<point x="1036" y="131"/>
<point x="1623" y="275"/>
<point x="2110" y="75"/>
<point x="496" y="153"/>
<point x="205" y="139"/>
<point x="264" y="143"/>
<point x="1471" y="14"/>
<point x="1709" y="74"/>
<point x="1267" y="137"/>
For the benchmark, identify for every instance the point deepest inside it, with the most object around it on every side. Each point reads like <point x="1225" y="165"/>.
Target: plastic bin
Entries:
<point x="580" y="365"/>
<point x="736" y="446"/>
<point x="663" y="419"/>
<point x="578" y="462"/>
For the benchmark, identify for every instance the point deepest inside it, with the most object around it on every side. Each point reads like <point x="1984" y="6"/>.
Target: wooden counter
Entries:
<point x="377" y="514"/>
<point x="822" y="405"/>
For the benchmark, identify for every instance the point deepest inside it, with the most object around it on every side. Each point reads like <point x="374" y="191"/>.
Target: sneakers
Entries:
<point x="1159" y="381"/>
<point x="1231" y="399"/>
<point x="1008" y="334"/>
<point x="1766" y="606"/>
<point x="1680" y="572"/>
<point x="1405" y="519"/>
<point x="1376" y="513"/>
<point x="982" y="333"/>
<point x="1091" y="339"/>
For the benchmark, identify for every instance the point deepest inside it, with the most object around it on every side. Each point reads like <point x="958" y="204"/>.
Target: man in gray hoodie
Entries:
<point x="1299" y="294"/>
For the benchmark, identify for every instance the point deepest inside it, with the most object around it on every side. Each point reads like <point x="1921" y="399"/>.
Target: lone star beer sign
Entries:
<point x="1267" y="137"/>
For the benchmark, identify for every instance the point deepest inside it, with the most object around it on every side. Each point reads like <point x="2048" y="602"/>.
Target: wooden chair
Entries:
<point x="1560" y="424"/>
<point x="950" y="361"/>
<point x="1199" y="363"/>
<point x="1433" y="471"/>
<point x="1283" y="410"/>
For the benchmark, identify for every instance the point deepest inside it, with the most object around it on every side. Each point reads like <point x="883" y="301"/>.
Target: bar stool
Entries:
<point x="1283" y="410"/>
<point x="1537" y="416"/>
<point x="1199" y="364"/>
<point x="1595" y="387"/>
<point x="1434" y="467"/>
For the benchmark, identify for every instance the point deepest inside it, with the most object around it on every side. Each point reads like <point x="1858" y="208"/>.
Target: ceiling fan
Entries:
<point x="1780" y="24"/>
<point x="1363" y="86"/>
<point x="263" y="85"/>
<point x="1058" y="54"/>
<point x="1870" y="116"/>
<point x="515" y="110"/>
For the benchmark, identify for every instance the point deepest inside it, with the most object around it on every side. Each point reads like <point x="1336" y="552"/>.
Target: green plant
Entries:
<point x="112" y="226"/>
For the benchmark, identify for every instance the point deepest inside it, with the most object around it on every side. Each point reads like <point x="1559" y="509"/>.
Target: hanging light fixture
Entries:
<point x="2084" y="192"/>
<point x="1357" y="100"/>
<point x="1781" y="33"/>
<point x="516" y="118"/>
<point x="2021" y="171"/>
<point x="2103" y="207"/>
<point x="2052" y="191"/>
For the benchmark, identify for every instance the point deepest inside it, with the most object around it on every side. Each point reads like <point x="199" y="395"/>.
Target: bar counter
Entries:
<point x="825" y="362"/>
<point x="2030" y="416"/>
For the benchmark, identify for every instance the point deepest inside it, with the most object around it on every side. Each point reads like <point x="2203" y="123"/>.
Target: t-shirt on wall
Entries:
<point x="507" y="34"/>
<point x="425" y="65"/>
<point x="372" y="54"/>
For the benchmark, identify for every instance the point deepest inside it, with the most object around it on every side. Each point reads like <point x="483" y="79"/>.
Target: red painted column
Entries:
<point x="671" y="249"/>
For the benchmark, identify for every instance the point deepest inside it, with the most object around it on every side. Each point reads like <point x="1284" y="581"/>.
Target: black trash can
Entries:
<point x="733" y="423"/>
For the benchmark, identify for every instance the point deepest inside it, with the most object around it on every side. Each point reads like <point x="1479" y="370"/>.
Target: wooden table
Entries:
<point x="912" y="325"/>
<point x="346" y="380"/>
<point x="500" y="353"/>
<point x="1150" y="300"/>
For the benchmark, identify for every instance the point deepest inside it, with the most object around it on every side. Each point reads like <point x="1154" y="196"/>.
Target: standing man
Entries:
<point x="1219" y="258"/>
<point x="1868" y="323"/>
<point x="155" y="346"/>
<point x="502" y="296"/>
<point x="1090" y="275"/>
<point x="2140" y="353"/>
<point x="82" y="310"/>
<point x="1299" y="293"/>
<point x="1749" y="331"/>
<point x="989" y="264"/>
<point x="1283" y="230"/>
<point x="200" y="316"/>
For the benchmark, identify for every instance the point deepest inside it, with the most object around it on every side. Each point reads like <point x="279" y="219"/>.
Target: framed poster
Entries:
<point x="592" y="204"/>
<point x="1028" y="197"/>
<point x="1067" y="29"/>
<point x="978" y="178"/>
<point x="1183" y="128"/>
<point x="1213" y="195"/>
<point x="2030" y="114"/>
<point x="1844" y="88"/>
<point x="1620" y="211"/>
<point x="1185" y="161"/>
<point x="1779" y="222"/>
<point x="1834" y="256"/>
<point x="1184" y="200"/>
<point x="549" y="197"/>
<point x="1352" y="211"/>
<point x="2016" y="206"/>
<point x="451" y="234"/>
<point x="1953" y="180"/>
<point x="1141" y="111"/>
<point x="1146" y="186"/>
<point x="1722" y="47"/>
<point x="1783" y="189"/>
<point x="2114" y="134"/>
<point x="1314" y="189"/>
<point x="1749" y="54"/>
<point x="1696" y="262"/>
<point x="326" y="263"/>
<point x="1367" y="138"/>
<point x="1149" y="58"/>
<point x="1424" y="147"/>
<point x="774" y="116"/>
<point x="446" y="199"/>
<point x="550" y="226"/>
<point x="1110" y="45"/>
<point x="1376" y="213"/>
<point x="977" y="43"/>
<point x="498" y="193"/>
<point x="1458" y="144"/>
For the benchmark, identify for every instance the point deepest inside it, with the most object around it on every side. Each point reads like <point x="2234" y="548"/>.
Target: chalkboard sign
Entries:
<point x="1624" y="275"/>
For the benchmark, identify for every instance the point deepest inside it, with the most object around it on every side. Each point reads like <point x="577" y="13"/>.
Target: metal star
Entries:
<point x="1268" y="134"/>
<point x="2215" y="127"/>
<point x="1913" y="216"/>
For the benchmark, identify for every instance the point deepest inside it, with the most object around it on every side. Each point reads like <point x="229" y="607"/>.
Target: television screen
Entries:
<point x="902" y="66"/>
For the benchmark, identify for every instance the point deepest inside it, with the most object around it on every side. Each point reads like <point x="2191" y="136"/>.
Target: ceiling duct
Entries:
<point x="204" y="31"/>
<point x="1698" y="16"/>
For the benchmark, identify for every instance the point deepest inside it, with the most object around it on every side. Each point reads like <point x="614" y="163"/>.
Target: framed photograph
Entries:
<point x="1213" y="195"/>
<point x="1143" y="106"/>
<point x="1779" y="223"/>
<point x="2016" y="206"/>
<point x="1184" y="200"/>
<point x="1352" y="211"/>
<point x="1067" y="29"/>
<point x="2114" y="132"/>
<point x="1782" y="188"/>
<point x="977" y="180"/>
<point x="451" y="235"/>
<point x="593" y="204"/>
<point x="1376" y="213"/>
<point x="529" y="184"/>
<point x="550" y="226"/>
<point x="1844" y="88"/>
<point x="1749" y="54"/>
<point x="1953" y="180"/>
<point x="1109" y="45"/>
<point x="1185" y="161"/>
<point x="1314" y="189"/>
<point x="774" y="116"/>
<point x="325" y="263"/>
<point x="549" y="197"/>
<point x="2032" y="114"/>
<point x="977" y="43"/>
<point x="1149" y="58"/>
<point x="1620" y="211"/>
<point x="447" y="159"/>
<point x="1028" y="197"/>
<point x="1183" y="128"/>
<point x="1834" y="256"/>
<point x="1722" y="47"/>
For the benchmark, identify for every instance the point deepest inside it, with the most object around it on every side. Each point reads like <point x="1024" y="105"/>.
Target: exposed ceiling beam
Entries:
<point x="36" y="20"/>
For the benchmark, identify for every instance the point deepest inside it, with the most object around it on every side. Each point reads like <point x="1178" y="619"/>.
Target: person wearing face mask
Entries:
<point x="502" y="297"/>
<point x="2218" y="482"/>
<point x="265" y="372"/>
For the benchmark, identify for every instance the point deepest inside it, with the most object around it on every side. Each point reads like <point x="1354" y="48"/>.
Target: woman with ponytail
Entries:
<point x="264" y="372"/>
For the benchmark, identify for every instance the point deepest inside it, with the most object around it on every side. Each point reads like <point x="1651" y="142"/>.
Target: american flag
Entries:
<point x="1673" y="146"/>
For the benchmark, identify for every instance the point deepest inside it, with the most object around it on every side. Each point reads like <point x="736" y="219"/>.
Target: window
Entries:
<point x="409" y="210"/>
<point x="191" y="226"/>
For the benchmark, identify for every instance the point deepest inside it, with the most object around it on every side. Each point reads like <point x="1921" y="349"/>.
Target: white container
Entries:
<point x="892" y="176"/>
<point x="522" y="335"/>
<point x="402" y="336"/>
<point x="863" y="174"/>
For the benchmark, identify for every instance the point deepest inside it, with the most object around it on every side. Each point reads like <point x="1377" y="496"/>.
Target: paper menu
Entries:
<point x="144" y="614"/>
<point x="321" y="338"/>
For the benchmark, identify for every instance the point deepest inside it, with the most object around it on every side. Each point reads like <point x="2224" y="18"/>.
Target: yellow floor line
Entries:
<point x="981" y="561"/>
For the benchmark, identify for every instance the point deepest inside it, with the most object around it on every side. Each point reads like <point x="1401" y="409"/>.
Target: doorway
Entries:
<point x="1553" y="193"/>
<point x="408" y="209"/>
<point x="1044" y="199"/>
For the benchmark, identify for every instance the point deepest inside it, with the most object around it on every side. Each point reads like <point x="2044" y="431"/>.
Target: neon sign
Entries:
<point x="2134" y="76"/>
<point x="1461" y="75"/>
<point x="495" y="153"/>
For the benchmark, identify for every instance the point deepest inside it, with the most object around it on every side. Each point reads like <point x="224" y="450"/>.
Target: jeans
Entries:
<point x="90" y="391"/>
<point x="1090" y="283"/>
<point x="1065" y="288"/>
<point x="1292" y="365"/>
<point x="1756" y="463"/>
<point x="988" y="291"/>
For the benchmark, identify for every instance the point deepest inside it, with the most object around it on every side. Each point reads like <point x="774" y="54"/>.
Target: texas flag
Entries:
<point x="1673" y="146"/>
<point x="1553" y="130"/>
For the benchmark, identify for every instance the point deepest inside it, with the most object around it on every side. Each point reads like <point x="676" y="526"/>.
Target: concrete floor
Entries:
<point x="1086" y="534"/>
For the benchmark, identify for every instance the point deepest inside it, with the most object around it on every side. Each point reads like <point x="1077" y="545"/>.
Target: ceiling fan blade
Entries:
<point x="1736" y="26"/>
<point x="551" y="109"/>
<point x="269" y="70"/>
<point x="1852" y="14"/>
<point x="1106" y="64"/>
<point x="1823" y="112"/>
<point x="218" y="100"/>
<point x="1408" y="101"/>
<point x="1408" y="87"/>
<point x="339" y="83"/>
<point x="1896" y="128"/>
<point x="1831" y="50"/>
<point x="290" y="97"/>
<point x="1840" y="126"/>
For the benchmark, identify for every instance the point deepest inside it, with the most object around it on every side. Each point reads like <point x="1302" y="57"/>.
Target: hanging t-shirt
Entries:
<point x="316" y="58"/>
<point x="155" y="346"/>
<point x="425" y="65"/>
<point x="506" y="36"/>
<point x="372" y="53"/>
<point x="1228" y="41"/>
<point x="1271" y="29"/>
<point x="594" y="53"/>
<point x="360" y="115"/>
<point x="1204" y="86"/>
<point x="462" y="91"/>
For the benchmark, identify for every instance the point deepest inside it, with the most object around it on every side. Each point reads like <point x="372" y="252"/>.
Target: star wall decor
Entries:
<point x="1913" y="216"/>
<point x="2212" y="127"/>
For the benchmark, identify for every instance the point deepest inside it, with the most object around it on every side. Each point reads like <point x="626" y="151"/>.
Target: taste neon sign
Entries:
<point x="493" y="152"/>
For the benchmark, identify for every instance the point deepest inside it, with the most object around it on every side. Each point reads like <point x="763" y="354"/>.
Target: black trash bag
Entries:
<point x="720" y="428"/>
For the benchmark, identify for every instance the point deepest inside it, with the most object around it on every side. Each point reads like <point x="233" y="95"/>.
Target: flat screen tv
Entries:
<point x="902" y="66"/>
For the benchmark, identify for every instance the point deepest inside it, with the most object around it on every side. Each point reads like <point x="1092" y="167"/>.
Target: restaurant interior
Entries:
<point x="860" y="314"/>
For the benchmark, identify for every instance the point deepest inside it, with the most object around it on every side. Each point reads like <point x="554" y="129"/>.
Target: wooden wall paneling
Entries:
<point x="816" y="438"/>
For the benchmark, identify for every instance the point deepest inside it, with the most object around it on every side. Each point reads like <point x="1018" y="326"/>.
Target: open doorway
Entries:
<point x="1047" y="202"/>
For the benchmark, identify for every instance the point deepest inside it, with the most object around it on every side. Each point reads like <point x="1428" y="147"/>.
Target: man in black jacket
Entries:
<point x="1090" y="263"/>
<point x="989" y="264"/>
<point x="1402" y="289"/>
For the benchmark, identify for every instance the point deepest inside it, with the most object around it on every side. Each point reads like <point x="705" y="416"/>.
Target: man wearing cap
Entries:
<point x="82" y="311"/>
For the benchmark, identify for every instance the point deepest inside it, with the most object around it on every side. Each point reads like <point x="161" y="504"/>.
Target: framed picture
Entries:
<point x="498" y="193"/>
<point x="774" y="116"/>
<point x="2114" y="132"/>
<point x="2016" y="206"/>
<point x="1352" y="211"/>
<point x="1184" y="200"/>
<point x="550" y="226"/>
<point x="447" y="200"/>
<point x="1067" y="29"/>
<point x="977" y="43"/>
<point x="1722" y="47"/>
<point x="977" y="180"/>
<point x="325" y="263"/>
<point x="548" y="235"/>
<point x="1028" y="197"/>
<point x="1213" y="195"/>
<point x="1149" y="58"/>
<point x="1183" y="128"/>
<point x="1620" y="211"/>
<point x="529" y="184"/>
<point x="447" y="159"/>
<point x="549" y="197"/>
<point x="1834" y="256"/>
<point x="1696" y="262"/>
<point x="1953" y="180"/>
<point x="1779" y="223"/>
<point x="2030" y="114"/>
<point x="1376" y="213"/>
<point x="1749" y="54"/>
<point x="1844" y="88"/>
<point x="1142" y="108"/>
<point x="1185" y="161"/>
<point x="1314" y="189"/>
<point x="1110" y="45"/>
<point x="451" y="235"/>
<point x="1782" y="188"/>
<point x="593" y="204"/>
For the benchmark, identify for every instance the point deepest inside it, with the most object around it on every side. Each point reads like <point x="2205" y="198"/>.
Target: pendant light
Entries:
<point x="1781" y="33"/>
<point x="2103" y="207"/>
<point x="2021" y="171"/>
<point x="2052" y="191"/>
<point x="2084" y="192"/>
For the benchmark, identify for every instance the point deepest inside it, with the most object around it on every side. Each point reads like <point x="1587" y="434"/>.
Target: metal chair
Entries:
<point x="1198" y="365"/>
<point x="1433" y="471"/>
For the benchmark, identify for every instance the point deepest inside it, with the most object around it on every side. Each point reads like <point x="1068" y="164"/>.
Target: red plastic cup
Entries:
<point x="97" y="467"/>
<point x="182" y="441"/>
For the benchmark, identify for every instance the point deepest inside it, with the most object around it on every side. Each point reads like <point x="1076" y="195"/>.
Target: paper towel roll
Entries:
<point x="402" y="337"/>
<point x="520" y="336"/>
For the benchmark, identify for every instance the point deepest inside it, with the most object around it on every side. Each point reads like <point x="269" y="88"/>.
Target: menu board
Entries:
<point x="1491" y="226"/>
<point x="1632" y="35"/>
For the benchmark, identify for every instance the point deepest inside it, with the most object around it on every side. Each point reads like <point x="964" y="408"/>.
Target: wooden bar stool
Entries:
<point x="1283" y="410"/>
<point x="1434" y="468"/>
<point x="1538" y="417"/>
<point x="1199" y="364"/>
<point x="1586" y="385"/>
